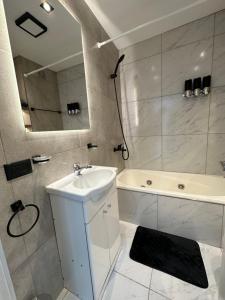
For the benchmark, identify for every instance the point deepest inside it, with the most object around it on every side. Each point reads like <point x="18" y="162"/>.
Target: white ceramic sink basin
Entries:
<point x="82" y="187"/>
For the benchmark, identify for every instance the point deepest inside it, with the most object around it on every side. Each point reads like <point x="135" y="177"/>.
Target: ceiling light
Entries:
<point x="47" y="7"/>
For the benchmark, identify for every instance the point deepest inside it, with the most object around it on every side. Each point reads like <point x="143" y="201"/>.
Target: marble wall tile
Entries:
<point x="216" y="153"/>
<point x="217" y="111"/>
<point x="145" y="153"/>
<point x="72" y="85"/>
<point x="23" y="282"/>
<point x="11" y="121"/>
<point x="184" y="116"/>
<point x="33" y="192"/>
<point x="184" y="153"/>
<point x="190" y="61"/>
<point x="142" y="49"/>
<point x="41" y="91"/>
<point x="143" y="118"/>
<point x="220" y="22"/>
<point x="192" y="32"/>
<point x="218" y="72"/>
<point x="11" y="245"/>
<point x="138" y="208"/>
<point x="47" y="258"/>
<point x="15" y="249"/>
<point x="142" y="79"/>
<point x="223" y="237"/>
<point x="191" y="219"/>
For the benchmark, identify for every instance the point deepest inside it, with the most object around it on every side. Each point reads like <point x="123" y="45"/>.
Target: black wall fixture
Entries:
<point x="16" y="208"/>
<point x="24" y="23"/>
<point x="197" y="87"/>
<point x="73" y="108"/>
<point x="18" y="169"/>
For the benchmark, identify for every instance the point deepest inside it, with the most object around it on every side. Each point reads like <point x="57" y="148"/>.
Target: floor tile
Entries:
<point x="121" y="288"/>
<point x="127" y="230"/>
<point x="176" y="289"/>
<point x="70" y="296"/>
<point x="62" y="294"/>
<point x="155" y="296"/>
<point x="133" y="270"/>
<point x="126" y="266"/>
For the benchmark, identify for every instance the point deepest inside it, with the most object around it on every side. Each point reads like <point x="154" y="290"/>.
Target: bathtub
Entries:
<point x="182" y="185"/>
<point x="187" y="205"/>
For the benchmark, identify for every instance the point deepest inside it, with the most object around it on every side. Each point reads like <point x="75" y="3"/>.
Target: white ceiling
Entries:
<point x="119" y="16"/>
<point x="62" y="39"/>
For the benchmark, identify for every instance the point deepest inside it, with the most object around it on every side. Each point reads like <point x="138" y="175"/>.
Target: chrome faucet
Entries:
<point x="223" y="165"/>
<point x="77" y="168"/>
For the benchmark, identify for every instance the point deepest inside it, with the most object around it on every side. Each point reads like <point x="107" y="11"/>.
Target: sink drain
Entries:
<point x="149" y="182"/>
<point x="181" y="186"/>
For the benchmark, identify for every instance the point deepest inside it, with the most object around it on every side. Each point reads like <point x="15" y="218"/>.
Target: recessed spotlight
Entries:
<point x="47" y="7"/>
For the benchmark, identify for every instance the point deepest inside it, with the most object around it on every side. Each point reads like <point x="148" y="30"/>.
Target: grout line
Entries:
<point x="143" y="58"/>
<point x="160" y="295"/>
<point x="163" y="96"/>
<point x="3" y="148"/>
<point x="131" y="279"/>
<point x="185" y="45"/>
<point x="210" y="97"/>
<point x="150" y="283"/>
<point x="222" y="231"/>
<point x="67" y="292"/>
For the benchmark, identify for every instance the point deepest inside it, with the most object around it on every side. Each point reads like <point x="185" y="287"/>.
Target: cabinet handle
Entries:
<point x="105" y="211"/>
<point x="109" y="205"/>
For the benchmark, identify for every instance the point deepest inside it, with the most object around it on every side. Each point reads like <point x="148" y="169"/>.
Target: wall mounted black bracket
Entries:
<point x="18" y="169"/>
<point x="17" y="206"/>
<point x="90" y="145"/>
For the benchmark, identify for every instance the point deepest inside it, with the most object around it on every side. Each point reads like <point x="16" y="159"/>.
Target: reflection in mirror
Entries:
<point x="54" y="98"/>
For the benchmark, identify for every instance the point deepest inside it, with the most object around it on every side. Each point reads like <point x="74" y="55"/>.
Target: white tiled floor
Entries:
<point x="131" y="280"/>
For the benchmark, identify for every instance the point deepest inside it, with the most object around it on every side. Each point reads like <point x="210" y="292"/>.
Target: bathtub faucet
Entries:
<point x="119" y="148"/>
<point x="223" y="165"/>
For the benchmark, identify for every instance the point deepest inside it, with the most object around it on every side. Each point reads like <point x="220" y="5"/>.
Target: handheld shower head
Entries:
<point x="114" y="75"/>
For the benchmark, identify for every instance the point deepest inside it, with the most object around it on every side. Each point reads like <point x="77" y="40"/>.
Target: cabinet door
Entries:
<point x="113" y="226"/>
<point x="99" y="250"/>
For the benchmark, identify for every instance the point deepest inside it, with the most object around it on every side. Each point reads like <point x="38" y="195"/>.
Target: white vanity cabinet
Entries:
<point x="88" y="237"/>
<point x="104" y="240"/>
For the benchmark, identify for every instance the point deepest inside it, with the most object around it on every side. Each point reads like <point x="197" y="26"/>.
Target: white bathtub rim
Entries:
<point x="214" y="200"/>
<point x="174" y="194"/>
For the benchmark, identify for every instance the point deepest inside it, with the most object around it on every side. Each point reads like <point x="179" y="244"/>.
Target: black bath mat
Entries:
<point x="171" y="254"/>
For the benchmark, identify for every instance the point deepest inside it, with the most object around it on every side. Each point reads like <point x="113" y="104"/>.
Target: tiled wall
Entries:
<point x="191" y="219"/>
<point x="72" y="88"/>
<point x="39" y="91"/>
<point x="33" y="259"/>
<point x="164" y="130"/>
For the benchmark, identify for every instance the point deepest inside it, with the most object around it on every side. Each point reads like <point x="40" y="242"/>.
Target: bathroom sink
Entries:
<point x="86" y="186"/>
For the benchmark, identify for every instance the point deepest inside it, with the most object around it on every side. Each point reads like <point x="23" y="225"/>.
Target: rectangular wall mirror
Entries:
<point x="42" y="33"/>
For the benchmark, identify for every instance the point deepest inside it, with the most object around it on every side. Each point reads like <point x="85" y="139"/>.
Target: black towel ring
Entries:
<point x="16" y="208"/>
